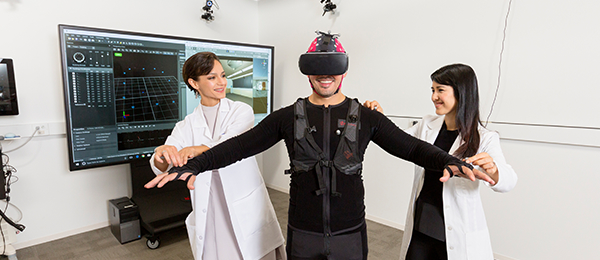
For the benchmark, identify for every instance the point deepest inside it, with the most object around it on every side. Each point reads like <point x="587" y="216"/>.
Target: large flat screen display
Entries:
<point x="124" y="91"/>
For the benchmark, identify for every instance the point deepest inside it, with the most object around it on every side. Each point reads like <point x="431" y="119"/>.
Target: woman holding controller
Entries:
<point x="446" y="220"/>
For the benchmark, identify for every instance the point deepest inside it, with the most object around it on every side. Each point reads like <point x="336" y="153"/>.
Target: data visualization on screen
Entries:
<point x="124" y="91"/>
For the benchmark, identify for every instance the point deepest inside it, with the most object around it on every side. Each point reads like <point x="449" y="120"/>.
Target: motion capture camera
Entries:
<point x="325" y="57"/>
<point x="208" y="13"/>
<point x="208" y="16"/>
<point x="328" y="7"/>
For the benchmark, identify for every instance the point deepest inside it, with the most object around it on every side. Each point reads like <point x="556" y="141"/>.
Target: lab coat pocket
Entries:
<point x="190" y="225"/>
<point x="253" y="212"/>
<point x="479" y="245"/>
<point x="465" y="187"/>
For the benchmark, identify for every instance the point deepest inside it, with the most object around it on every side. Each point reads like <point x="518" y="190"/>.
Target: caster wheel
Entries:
<point x="153" y="244"/>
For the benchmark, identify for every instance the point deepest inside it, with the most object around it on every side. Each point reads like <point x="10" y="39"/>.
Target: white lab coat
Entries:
<point x="467" y="235"/>
<point x="252" y="215"/>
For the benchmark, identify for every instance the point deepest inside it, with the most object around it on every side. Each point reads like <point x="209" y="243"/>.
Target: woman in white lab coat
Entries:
<point x="232" y="216"/>
<point x="446" y="220"/>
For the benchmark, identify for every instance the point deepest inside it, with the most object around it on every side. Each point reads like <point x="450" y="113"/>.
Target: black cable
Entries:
<point x="7" y="177"/>
<point x="500" y="62"/>
<point x="2" y="232"/>
<point x="12" y="223"/>
<point x="4" y="155"/>
<point x="4" y="175"/>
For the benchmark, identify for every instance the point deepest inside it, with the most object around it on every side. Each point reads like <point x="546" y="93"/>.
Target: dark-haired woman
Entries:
<point x="446" y="220"/>
<point x="232" y="215"/>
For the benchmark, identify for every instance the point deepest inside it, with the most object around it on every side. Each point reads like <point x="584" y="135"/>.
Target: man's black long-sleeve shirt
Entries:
<point x="306" y="208"/>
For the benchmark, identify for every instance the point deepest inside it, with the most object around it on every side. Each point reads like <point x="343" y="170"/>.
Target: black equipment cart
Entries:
<point x="161" y="209"/>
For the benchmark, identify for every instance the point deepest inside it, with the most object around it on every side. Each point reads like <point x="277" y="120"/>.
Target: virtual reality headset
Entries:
<point x="323" y="63"/>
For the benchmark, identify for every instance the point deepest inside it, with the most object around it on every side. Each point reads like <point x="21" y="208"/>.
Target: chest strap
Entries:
<point x="323" y="162"/>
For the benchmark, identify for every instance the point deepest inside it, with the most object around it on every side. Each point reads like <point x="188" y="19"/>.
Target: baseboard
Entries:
<point x="385" y="222"/>
<point x="277" y="188"/>
<point x="38" y="241"/>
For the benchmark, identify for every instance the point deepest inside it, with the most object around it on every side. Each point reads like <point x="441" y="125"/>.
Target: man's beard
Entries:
<point x="329" y="92"/>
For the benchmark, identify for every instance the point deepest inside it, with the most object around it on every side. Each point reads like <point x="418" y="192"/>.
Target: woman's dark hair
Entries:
<point x="197" y="65"/>
<point x="464" y="83"/>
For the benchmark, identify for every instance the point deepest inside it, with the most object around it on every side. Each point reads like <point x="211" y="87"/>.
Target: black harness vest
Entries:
<point x="308" y="155"/>
<point x="346" y="159"/>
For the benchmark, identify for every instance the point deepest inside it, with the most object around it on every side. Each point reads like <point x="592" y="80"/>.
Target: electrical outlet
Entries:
<point x="42" y="129"/>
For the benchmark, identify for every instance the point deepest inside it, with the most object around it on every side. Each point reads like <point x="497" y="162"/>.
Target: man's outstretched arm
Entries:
<point x="252" y="142"/>
<point x="400" y="144"/>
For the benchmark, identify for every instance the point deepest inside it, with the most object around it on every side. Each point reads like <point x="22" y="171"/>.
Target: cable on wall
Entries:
<point x="31" y="137"/>
<point x="2" y="232"/>
<point x="7" y="171"/>
<point x="499" y="63"/>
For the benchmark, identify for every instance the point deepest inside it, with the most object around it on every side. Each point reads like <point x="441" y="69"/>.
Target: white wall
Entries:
<point x="548" y="73"/>
<point x="54" y="201"/>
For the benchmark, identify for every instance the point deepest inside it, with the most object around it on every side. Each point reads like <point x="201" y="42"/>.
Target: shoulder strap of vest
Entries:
<point x="301" y="129"/>
<point x="300" y="122"/>
<point x="351" y="133"/>
<point x="352" y="120"/>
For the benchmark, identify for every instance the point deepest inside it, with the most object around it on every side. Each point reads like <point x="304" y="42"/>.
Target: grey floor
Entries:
<point x="100" y="244"/>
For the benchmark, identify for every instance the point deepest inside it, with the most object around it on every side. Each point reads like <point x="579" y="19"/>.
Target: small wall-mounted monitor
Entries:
<point x="8" y="90"/>
<point x="124" y="90"/>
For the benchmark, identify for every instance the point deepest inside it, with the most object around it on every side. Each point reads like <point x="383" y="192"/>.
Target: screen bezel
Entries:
<point x="64" y="65"/>
<point x="12" y="89"/>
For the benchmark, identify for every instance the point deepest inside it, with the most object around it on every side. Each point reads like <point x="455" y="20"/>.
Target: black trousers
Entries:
<point x="306" y="245"/>
<point x="424" y="247"/>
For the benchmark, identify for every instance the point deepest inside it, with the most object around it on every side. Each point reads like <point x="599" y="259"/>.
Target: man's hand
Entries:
<point x="373" y="105"/>
<point x="162" y="179"/>
<point x="468" y="173"/>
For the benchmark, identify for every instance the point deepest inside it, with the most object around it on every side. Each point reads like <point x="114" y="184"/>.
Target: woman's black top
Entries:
<point x="429" y="208"/>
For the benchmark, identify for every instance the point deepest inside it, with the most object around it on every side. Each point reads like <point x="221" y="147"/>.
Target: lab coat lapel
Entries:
<point x="455" y="145"/>
<point x="433" y="129"/>
<point x="207" y="133"/>
<point x="223" y="110"/>
<point x="201" y="126"/>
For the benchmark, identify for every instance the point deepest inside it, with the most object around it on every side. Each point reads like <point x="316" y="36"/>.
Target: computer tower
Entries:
<point x="124" y="219"/>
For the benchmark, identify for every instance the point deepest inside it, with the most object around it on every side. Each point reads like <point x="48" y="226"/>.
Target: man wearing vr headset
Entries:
<point x="326" y="136"/>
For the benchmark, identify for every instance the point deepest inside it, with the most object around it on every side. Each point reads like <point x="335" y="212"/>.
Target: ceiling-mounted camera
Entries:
<point x="328" y="7"/>
<point x="208" y="12"/>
